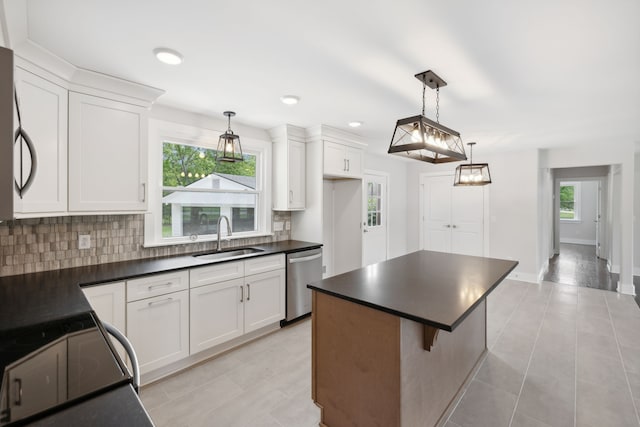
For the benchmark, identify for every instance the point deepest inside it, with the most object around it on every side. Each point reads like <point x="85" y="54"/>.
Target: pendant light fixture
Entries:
<point x="420" y="138"/>
<point x="472" y="173"/>
<point x="229" y="149"/>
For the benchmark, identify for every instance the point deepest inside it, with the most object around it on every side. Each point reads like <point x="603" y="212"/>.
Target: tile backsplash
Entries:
<point x="42" y="244"/>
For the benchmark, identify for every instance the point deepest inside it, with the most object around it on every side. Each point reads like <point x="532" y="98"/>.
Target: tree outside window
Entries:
<point x="570" y="201"/>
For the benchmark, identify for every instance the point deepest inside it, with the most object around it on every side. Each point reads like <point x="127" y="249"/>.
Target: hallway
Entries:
<point x="578" y="265"/>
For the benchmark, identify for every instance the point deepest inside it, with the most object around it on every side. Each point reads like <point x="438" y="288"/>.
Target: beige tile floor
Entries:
<point x="558" y="356"/>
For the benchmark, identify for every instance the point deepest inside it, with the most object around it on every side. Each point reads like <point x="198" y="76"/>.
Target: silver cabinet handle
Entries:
<point x="161" y="285"/>
<point x="305" y="258"/>
<point x="241" y="293"/>
<point x="248" y="292"/>
<point x="447" y="226"/>
<point x="344" y="165"/>
<point x="290" y="196"/>
<point x="454" y="226"/>
<point x="18" y="400"/>
<point x="348" y="165"/>
<point x="144" y="191"/>
<point x="151" y="303"/>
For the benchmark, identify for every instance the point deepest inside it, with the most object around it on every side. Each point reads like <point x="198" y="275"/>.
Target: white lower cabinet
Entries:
<point x="109" y="302"/>
<point x="265" y="299"/>
<point x="158" y="328"/>
<point x="223" y="310"/>
<point x="216" y="314"/>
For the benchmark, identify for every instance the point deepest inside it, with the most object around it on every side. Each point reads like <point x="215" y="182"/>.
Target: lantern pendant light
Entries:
<point x="472" y="173"/>
<point x="229" y="148"/>
<point x="420" y="138"/>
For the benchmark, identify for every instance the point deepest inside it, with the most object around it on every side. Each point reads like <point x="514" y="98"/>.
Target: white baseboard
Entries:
<point x="543" y="271"/>
<point x="626" y="288"/>
<point x="636" y="271"/>
<point x="577" y="241"/>
<point x="523" y="277"/>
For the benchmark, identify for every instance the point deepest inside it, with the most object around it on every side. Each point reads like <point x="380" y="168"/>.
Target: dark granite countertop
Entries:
<point x="34" y="298"/>
<point x="40" y="297"/>
<point x="115" y="408"/>
<point x="434" y="288"/>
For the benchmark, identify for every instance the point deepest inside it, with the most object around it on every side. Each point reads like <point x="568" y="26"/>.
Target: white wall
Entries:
<point x="583" y="231"/>
<point x="636" y="215"/>
<point x="397" y="170"/>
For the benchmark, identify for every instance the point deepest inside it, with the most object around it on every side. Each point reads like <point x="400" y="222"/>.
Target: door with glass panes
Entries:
<point x="374" y="226"/>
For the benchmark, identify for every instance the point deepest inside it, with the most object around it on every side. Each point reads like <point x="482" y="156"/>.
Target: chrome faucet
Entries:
<point x="218" y="228"/>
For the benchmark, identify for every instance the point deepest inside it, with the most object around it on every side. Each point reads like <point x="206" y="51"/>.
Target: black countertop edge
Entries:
<point x="385" y="309"/>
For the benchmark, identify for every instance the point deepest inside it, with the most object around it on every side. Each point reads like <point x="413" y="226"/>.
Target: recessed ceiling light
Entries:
<point x="168" y="56"/>
<point x="290" y="99"/>
<point x="355" y="124"/>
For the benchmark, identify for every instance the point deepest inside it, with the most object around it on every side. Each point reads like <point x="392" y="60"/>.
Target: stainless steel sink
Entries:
<point x="228" y="254"/>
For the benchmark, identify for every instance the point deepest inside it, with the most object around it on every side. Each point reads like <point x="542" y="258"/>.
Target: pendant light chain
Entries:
<point x="424" y="88"/>
<point x="437" y="104"/>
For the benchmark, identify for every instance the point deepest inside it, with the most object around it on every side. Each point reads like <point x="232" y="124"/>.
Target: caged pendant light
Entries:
<point x="229" y="148"/>
<point x="420" y="138"/>
<point x="472" y="173"/>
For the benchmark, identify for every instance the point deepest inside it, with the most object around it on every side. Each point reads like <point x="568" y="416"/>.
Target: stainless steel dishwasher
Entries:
<point x="302" y="268"/>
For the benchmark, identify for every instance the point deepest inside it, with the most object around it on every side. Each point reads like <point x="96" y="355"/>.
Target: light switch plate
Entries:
<point x="84" y="241"/>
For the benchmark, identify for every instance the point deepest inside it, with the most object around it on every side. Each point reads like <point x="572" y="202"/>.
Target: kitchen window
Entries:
<point x="196" y="190"/>
<point x="570" y="201"/>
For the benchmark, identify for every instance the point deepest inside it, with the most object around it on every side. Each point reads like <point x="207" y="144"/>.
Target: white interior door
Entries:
<point x="374" y="236"/>
<point x="467" y="220"/>
<point x="598" y="217"/>
<point x="437" y="213"/>
<point x="453" y="217"/>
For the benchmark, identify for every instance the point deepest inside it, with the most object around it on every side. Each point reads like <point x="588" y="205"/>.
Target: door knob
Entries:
<point x="448" y="226"/>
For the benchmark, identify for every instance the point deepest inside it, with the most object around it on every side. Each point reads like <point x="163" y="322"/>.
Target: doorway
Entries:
<point x="375" y="238"/>
<point x="580" y="235"/>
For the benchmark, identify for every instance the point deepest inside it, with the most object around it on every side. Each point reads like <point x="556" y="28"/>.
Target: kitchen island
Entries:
<point x="394" y="343"/>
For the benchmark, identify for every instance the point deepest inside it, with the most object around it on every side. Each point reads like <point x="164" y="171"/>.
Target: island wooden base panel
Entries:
<point x="370" y="368"/>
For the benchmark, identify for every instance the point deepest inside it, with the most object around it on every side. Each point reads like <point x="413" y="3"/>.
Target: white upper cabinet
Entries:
<point x="43" y="112"/>
<point x="107" y="155"/>
<point x="289" y="168"/>
<point x="342" y="161"/>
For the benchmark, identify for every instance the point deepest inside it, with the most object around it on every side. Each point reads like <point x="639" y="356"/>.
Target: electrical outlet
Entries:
<point x="278" y="226"/>
<point x="287" y="225"/>
<point x="84" y="241"/>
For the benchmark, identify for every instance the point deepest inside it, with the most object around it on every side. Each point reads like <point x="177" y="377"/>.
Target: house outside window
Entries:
<point x="374" y="204"/>
<point x="193" y="191"/>
<point x="570" y="201"/>
<point x="197" y="190"/>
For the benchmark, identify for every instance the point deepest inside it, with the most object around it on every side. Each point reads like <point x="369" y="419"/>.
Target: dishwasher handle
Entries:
<point x="306" y="258"/>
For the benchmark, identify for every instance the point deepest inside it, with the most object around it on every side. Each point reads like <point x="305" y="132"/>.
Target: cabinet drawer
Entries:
<point x="158" y="284"/>
<point x="215" y="273"/>
<point x="263" y="264"/>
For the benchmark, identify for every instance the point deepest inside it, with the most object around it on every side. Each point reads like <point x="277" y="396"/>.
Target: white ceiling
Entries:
<point x="521" y="74"/>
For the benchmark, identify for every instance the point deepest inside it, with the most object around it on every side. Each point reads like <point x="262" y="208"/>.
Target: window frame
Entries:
<point x="577" y="206"/>
<point x="161" y="131"/>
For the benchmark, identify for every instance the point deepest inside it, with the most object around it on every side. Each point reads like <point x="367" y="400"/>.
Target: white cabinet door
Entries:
<point x="335" y="162"/>
<point x="107" y="155"/>
<point x="354" y="162"/>
<point x="43" y="112"/>
<point x="342" y="160"/>
<point x="158" y="328"/>
<point x="216" y="314"/>
<point x="264" y="299"/>
<point x="296" y="177"/>
<point x="108" y="301"/>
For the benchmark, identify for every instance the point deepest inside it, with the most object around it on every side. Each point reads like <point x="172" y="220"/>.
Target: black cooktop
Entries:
<point x="48" y="366"/>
